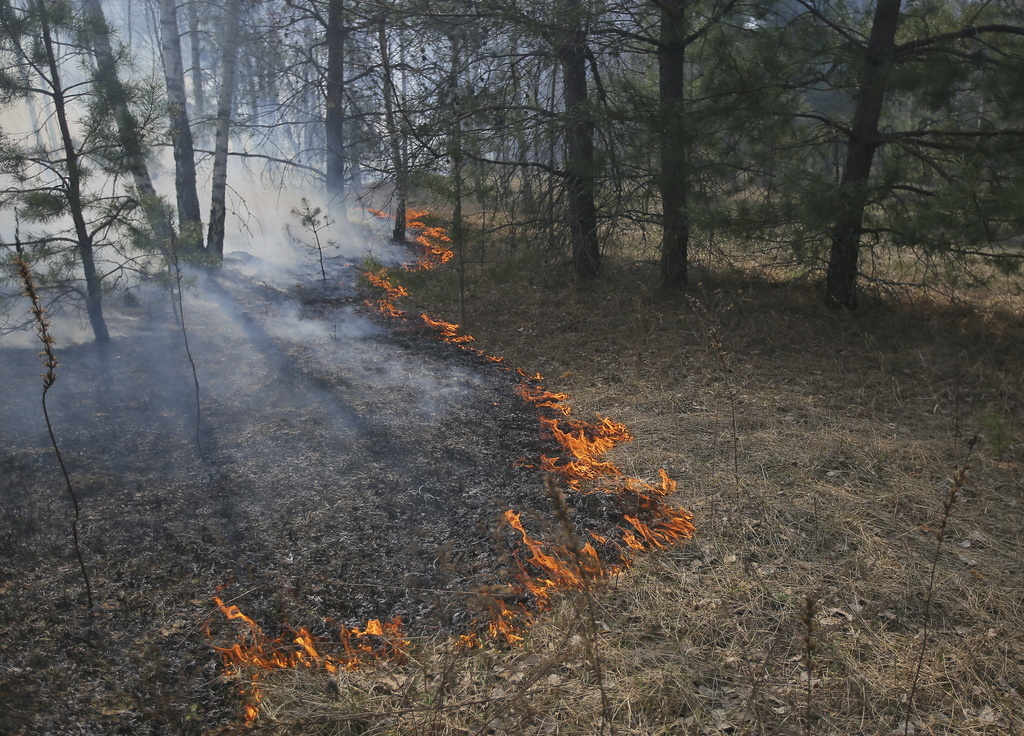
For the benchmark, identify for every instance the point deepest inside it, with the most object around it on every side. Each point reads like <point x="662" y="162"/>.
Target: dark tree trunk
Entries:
<point x="394" y="136"/>
<point x="841" y="280"/>
<point x="133" y="148"/>
<point x="73" y="190"/>
<point x="225" y="106"/>
<point x="579" y="164"/>
<point x="673" y="180"/>
<point x="457" y="231"/>
<point x="337" y="34"/>
<point x="190" y="218"/>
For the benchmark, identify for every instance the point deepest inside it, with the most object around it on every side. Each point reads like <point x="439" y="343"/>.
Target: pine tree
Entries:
<point x="81" y="215"/>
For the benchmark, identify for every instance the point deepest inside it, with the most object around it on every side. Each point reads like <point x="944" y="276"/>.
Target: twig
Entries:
<point x="587" y="569"/>
<point x="807" y="614"/>
<point x="184" y="331"/>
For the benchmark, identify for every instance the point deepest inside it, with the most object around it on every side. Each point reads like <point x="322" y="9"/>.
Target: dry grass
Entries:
<point x="815" y="449"/>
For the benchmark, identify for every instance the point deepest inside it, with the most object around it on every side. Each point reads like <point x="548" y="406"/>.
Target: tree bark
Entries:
<point x="673" y="181"/>
<point x="394" y="136"/>
<point x="73" y="188"/>
<point x="133" y="148"/>
<point x="458" y="230"/>
<point x="579" y="163"/>
<point x="190" y="218"/>
<point x="196" y="52"/>
<point x="841" y="279"/>
<point x="225" y="105"/>
<point x="334" y="119"/>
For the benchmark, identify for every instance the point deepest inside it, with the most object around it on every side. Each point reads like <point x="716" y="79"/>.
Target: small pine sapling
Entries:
<point x="315" y="222"/>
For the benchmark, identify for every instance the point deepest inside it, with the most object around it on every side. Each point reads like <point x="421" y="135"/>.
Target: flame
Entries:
<point x="433" y="252"/>
<point x="431" y="239"/>
<point x="257" y="653"/>
<point x="546" y="567"/>
<point x="648" y="522"/>
<point x="447" y="331"/>
<point x="584" y="469"/>
<point x="581" y="466"/>
<point x="390" y="292"/>
<point x="562" y="569"/>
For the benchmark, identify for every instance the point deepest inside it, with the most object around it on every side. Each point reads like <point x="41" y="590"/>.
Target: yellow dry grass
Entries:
<point x="814" y="448"/>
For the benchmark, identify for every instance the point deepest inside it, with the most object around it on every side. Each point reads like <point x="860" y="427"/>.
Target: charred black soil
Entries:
<point x="346" y="469"/>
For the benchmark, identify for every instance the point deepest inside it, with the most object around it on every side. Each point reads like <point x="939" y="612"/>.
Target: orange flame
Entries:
<point x="256" y="651"/>
<point x="582" y="468"/>
<point x="447" y="331"/>
<point x="582" y="465"/>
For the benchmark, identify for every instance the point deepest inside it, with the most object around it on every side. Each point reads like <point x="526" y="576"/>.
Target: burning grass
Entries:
<point x="816" y="459"/>
<point x="545" y="567"/>
<point x="349" y="473"/>
<point x="255" y="653"/>
<point x="582" y="466"/>
<point x="813" y="448"/>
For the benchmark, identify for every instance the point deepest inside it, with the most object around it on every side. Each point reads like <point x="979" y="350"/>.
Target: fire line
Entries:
<point x="544" y="567"/>
<point x="581" y="467"/>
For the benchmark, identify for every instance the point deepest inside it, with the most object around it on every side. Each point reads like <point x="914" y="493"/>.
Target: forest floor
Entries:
<point x="345" y="470"/>
<point x="840" y="581"/>
<point x="815" y="449"/>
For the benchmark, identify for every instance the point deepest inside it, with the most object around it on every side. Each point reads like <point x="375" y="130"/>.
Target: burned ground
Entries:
<point x="345" y="470"/>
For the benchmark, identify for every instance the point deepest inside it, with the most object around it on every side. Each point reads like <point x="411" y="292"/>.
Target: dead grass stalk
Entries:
<point x="49" y="358"/>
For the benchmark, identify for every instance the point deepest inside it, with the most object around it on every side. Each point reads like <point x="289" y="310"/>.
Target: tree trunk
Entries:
<point x="334" y="119"/>
<point x="190" y="218"/>
<point x="196" y="52"/>
<point x="73" y="189"/>
<point x="133" y="149"/>
<point x="394" y="137"/>
<point x="841" y="279"/>
<point x="458" y="230"/>
<point x="579" y="164"/>
<point x="673" y="180"/>
<point x="225" y="103"/>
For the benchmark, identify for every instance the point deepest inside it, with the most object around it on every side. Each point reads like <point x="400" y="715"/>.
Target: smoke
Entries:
<point x="275" y="350"/>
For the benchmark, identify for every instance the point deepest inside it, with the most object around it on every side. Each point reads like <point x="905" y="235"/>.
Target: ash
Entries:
<point x="346" y="469"/>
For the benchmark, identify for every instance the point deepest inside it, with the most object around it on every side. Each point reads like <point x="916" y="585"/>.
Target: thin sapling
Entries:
<point x="315" y="222"/>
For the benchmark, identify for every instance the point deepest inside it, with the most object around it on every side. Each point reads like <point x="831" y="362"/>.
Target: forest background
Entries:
<point x="873" y="144"/>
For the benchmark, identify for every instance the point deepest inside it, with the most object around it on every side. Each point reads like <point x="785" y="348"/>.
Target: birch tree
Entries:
<point x="225" y="105"/>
